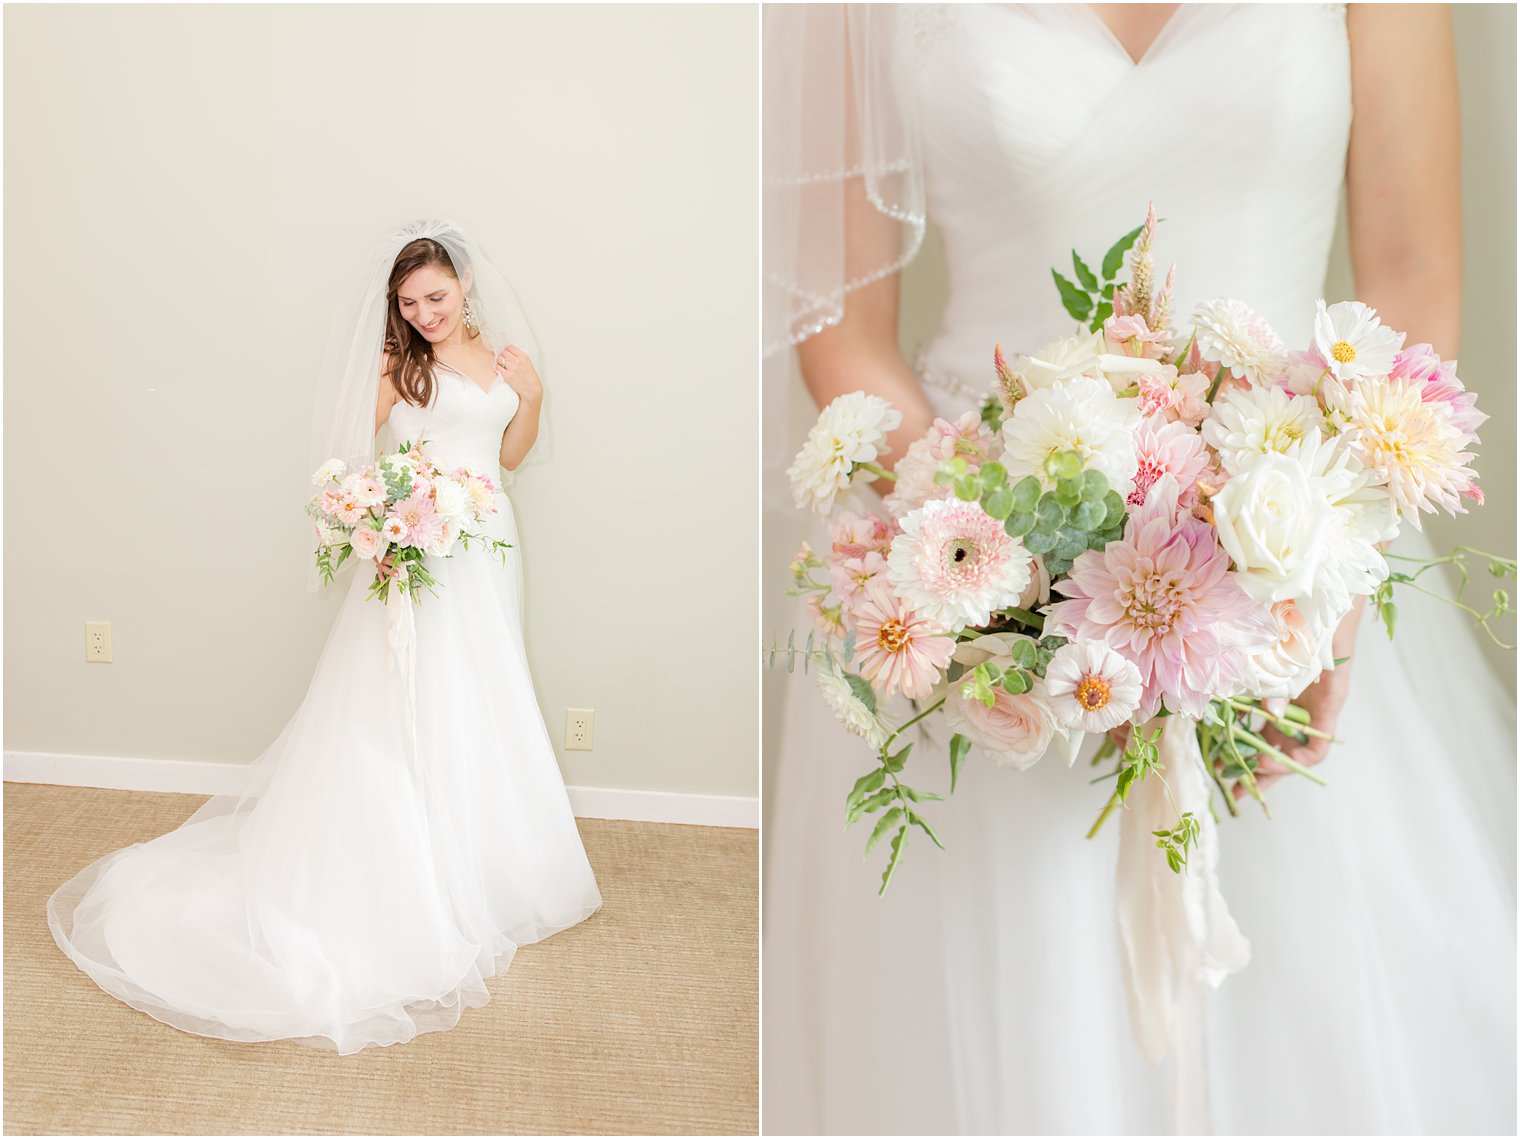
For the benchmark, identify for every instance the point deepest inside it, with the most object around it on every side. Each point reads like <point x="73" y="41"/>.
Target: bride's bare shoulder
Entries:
<point x="388" y="393"/>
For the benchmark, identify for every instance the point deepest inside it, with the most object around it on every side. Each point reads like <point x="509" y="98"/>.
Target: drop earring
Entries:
<point x="469" y="316"/>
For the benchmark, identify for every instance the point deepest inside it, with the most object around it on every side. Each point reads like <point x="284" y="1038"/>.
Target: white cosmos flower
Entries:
<point x="1091" y="687"/>
<point x="1080" y="414"/>
<point x="849" y="708"/>
<point x="1353" y="342"/>
<point x="1245" y="422"/>
<point x="1235" y="335"/>
<point x="851" y="430"/>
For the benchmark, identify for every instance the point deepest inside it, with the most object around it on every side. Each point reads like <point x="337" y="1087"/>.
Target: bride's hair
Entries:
<point x="411" y="356"/>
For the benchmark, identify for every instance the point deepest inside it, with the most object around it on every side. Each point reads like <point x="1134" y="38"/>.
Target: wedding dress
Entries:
<point x="361" y="890"/>
<point x="984" y="993"/>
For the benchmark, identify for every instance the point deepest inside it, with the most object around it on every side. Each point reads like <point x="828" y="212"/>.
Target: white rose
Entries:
<point x="1274" y="523"/>
<point x="443" y="545"/>
<point x="1295" y="659"/>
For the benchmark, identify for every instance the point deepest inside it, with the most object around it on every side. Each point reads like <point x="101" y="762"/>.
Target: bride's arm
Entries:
<point x="1404" y="219"/>
<point x="521" y="433"/>
<point x="860" y="353"/>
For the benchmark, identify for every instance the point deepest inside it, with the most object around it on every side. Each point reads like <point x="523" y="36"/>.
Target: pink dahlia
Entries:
<point x="423" y="525"/>
<point x="1164" y="599"/>
<point x="1166" y="448"/>
<point x="968" y="437"/>
<point x="954" y="562"/>
<point x="1439" y="384"/>
<point x="899" y="650"/>
<point x="1173" y="396"/>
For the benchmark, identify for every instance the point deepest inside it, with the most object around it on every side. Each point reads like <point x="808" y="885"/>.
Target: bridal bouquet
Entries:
<point x="400" y="508"/>
<point x="1150" y="519"/>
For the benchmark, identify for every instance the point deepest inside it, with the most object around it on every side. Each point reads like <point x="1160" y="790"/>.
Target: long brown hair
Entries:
<point x="412" y="358"/>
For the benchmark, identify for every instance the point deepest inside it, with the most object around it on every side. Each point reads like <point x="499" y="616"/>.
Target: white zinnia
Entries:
<point x="1234" y="335"/>
<point x="850" y="709"/>
<point x="851" y="430"/>
<point x="1353" y="342"/>
<point x="328" y="471"/>
<point x="1247" y="422"/>
<point x="1091" y="687"/>
<point x="1081" y="414"/>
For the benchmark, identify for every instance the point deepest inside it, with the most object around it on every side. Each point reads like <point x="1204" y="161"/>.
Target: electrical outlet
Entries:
<point x="578" y="725"/>
<point x="97" y="642"/>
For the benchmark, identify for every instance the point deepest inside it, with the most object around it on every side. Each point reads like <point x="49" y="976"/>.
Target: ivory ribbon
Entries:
<point x="1177" y="938"/>
<point x="401" y="653"/>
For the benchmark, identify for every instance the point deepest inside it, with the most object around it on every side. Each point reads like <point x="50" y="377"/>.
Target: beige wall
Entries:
<point x="187" y="186"/>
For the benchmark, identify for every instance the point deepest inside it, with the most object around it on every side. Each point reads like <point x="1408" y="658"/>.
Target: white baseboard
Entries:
<point x="202" y="777"/>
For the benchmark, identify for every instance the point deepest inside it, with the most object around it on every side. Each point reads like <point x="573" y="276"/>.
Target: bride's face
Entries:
<point x="432" y="302"/>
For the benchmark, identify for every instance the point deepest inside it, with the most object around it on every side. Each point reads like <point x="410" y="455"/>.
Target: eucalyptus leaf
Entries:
<point x="1026" y="493"/>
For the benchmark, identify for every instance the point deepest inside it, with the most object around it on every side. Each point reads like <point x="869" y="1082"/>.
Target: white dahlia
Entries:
<point x="849" y="708"/>
<point x="954" y="563"/>
<point x="1245" y="422"/>
<point x="328" y="472"/>
<point x="1410" y="444"/>
<point x="1235" y="335"/>
<point x="1080" y="414"/>
<point x="1352" y="341"/>
<point x="851" y="430"/>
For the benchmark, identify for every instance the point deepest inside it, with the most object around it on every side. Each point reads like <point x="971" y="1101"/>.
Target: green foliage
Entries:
<point x="1177" y="841"/>
<point x="1090" y="298"/>
<point x="960" y="747"/>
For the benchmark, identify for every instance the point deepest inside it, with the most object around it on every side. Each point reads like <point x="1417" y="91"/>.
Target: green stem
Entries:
<point x="1262" y="745"/>
<point x="878" y="470"/>
<point x="1214" y="387"/>
<point x="1024" y="617"/>
<point x="1108" y="809"/>
<point x="1296" y="725"/>
<point x="904" y="727"/>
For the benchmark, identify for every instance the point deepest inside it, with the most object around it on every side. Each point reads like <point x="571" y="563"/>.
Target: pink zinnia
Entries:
<point x="422" y="523"/>
<point x="899" y="650"/>
<point x="1166" y="448"/>
<point x="1164" y="598"/>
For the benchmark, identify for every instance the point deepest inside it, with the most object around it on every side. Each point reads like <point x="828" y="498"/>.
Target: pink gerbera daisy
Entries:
<point x="899" y="650"/>
<point x="1164" y="598"/>
<point x="954" y="562"/>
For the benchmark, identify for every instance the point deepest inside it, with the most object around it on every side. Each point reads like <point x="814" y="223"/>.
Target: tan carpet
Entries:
<point x="641" y="1020"/>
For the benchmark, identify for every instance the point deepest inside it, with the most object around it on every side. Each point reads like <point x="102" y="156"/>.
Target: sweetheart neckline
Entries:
<point x="470" y="379"/>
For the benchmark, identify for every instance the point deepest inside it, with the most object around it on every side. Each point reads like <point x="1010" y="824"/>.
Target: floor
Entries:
<point x="641" y="1020"/>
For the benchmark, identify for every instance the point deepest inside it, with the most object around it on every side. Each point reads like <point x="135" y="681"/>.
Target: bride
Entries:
<point x="408" y="829"/>
<point x="984" y="992"/>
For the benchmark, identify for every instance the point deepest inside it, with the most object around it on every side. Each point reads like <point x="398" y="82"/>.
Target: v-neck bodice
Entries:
<point x="1041" y="134"/>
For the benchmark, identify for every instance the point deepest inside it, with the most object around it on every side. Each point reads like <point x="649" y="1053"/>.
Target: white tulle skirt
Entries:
<point x="354" y="896"/>
<point x="984" y="992"/>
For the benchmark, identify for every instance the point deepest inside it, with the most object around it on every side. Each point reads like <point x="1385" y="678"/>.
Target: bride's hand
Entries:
<point x="518" y="370"/>
<point x="1323" y="701"/>
<point x="385" y="567"/>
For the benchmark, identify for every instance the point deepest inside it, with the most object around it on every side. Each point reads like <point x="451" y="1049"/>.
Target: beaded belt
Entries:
<point x="948" y="382"/>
